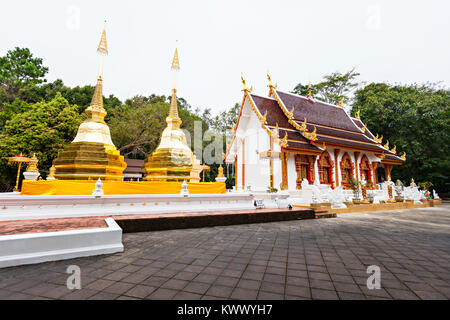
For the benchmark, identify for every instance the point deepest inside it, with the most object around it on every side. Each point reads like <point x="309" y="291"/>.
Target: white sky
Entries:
<point x="297" y="41"/>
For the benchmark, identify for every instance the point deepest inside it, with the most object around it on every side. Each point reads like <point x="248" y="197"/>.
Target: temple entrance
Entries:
<point x="303" y="166"/>
<point x="325" y="169"/>
<point x="381" y="175"/>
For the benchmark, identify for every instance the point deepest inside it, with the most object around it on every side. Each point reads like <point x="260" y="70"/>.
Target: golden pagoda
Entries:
<point x="92" y="154"/>
<point x="173" y="159"/>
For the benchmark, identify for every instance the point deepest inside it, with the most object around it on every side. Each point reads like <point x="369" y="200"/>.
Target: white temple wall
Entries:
<point x="257" y="171"/>
<point x="291" y="172"/>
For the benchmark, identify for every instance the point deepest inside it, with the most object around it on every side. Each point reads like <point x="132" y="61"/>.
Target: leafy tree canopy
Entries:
<point x="415" y="118"/>
<point x="44" y="128"/>
<point x="19" y="70"/>
<point x="333" y="88"/>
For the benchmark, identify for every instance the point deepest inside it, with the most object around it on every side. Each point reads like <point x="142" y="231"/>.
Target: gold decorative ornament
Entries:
<point x="283" y="142"/>
<point x="264" y="117"/>
<point x="386" y="146"/>
<point x="303" y="127"/>
<point x="220" y="172"/>
<point x="51" y="173"/>
<point x="290" y="114"/>
<point x="357" y="114"/>
<point x="403" y="156"/>
<point x="394" y="149"/>
<point x="380" y="140"/>
<point x="18" y="160"/>
<point x="32" y="164"/>
<point x="309" y="89"/>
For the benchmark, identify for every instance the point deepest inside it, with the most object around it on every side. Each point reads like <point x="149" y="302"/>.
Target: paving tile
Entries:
<point x="162" y="294"/>
<point x="175" y="284"/>
<point x="219" y="291"/>
<point x="226" y="281"/>
<point x="119" y="287"/>
<point x="319" y="294"/>
<point x="402" y="294"/>
<point x="140" y="291"/>
<point x="197" y="287"/>
<point x="262" y="295"/>
<point x="298" y="291"/>
<point x="99" y="285"/>
<point x="104" y="296"/>
<point x="244" y="294"/>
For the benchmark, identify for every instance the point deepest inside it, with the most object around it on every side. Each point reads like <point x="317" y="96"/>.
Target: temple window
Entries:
<point x="325" y="169"/>
<point x="346" y="170"/>
<point x="303" y="167"/>
<point x="365" y="169"/>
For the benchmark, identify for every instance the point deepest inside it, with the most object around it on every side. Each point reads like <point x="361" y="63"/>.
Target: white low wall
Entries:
<point x="60" y="245"/>
<point x="20" y="207"/>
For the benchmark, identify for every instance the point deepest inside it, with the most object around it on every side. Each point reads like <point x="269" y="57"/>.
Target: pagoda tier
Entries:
<point x="89" y="161"/>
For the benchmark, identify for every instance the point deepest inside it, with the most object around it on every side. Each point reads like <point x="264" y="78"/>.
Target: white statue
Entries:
<point x="184" y="189"/>
<point x="98" y="191"/>
<point x="305" y="183"/>
<point x="435" y="195"/>
<point x="337" y="198"/>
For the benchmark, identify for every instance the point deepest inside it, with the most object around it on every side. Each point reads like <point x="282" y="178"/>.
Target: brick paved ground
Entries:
<point x="308" y="259"/>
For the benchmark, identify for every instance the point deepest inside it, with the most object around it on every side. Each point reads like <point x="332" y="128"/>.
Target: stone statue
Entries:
<point x="98" y="191"/>
<point x="435" y="195"/>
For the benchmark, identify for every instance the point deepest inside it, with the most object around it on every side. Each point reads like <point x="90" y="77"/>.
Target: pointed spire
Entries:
<point x="173" y="117"/>
<point x="175" y="61"/>
<point x="309" y="89"/>
<point x="95" y="110"/>
<point x="103" y="46"/>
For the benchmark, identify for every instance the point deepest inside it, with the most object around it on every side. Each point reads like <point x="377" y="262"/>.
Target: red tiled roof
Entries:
<point x="317" y="112"/>
<point x="332" y="123"/>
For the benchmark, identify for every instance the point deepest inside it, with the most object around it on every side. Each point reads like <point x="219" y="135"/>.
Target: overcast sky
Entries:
<point x="393" y="41"/>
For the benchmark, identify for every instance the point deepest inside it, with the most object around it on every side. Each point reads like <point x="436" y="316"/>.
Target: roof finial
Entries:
<point x="309" y="89"/>
<point x="268" y="77"/>
<point x="245" y="86"/>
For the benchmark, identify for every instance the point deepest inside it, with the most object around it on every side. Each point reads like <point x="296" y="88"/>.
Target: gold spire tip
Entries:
<point x="175" y="61"/>
<point x="103" y="46"/>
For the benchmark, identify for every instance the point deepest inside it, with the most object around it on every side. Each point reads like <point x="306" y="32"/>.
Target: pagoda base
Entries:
<point x="85" y="187"/>
<point x="89" y="161"/>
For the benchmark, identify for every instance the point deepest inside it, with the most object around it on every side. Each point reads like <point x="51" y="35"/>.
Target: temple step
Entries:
<point x="321" y="214"/>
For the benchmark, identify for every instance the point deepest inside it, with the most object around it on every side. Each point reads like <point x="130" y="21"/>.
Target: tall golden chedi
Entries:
<point x="92" y="154"/>
<point x="173" y="160"/>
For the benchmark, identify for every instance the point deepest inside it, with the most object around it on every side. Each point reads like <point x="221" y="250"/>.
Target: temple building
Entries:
<point x="92" y="154"/>
<point x="282" y="139"/>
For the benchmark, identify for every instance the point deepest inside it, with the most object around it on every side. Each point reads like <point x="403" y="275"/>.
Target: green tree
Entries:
<point x="136" y="127"/>
<point x="415" y="118"/>
<point x="45" y="128"/>
<point x="19" y="70"/>
<point x="81" y="96"/>
<point x="333" y="88"/>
